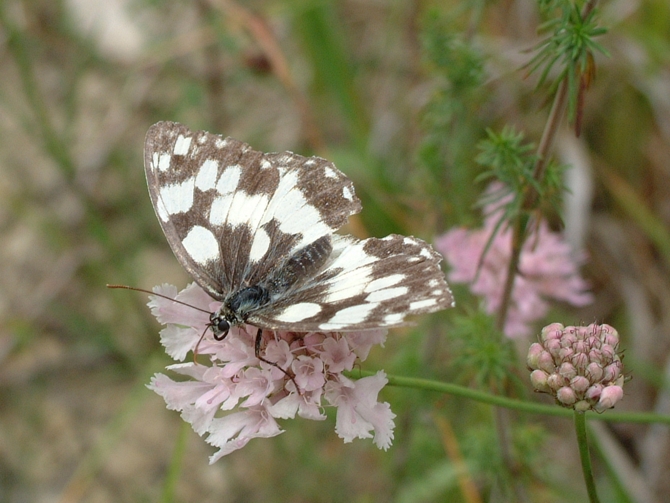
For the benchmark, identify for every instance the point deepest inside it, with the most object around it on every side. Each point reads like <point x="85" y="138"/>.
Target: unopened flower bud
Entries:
<point x="546" y="362"/>
<point x="568" y="340"/>
<point x="565" y="353"/>
<point x="553" y="346"/>
<point x="612" y="340"/>
<point x="582" y="333"/>
<point x="593" y="342"/>
<point x="553" y="331"/>
<point x="594" y="392"/>
<point x="581" y="347"/>
<point x="580" y="384"/>
<point x="611" y="372"/>
<point x="567" y="370"/>
<point x="538" y="379"/>
<point x="608" y="353"/>
<point x="556" y="381"/>
<point x="534" y="353"/>
<point x="609" y="330"/>
<point x="609" y="397"/>
<point x="594" y="372"/>
<point x="596" y="356"/>
<point x="566" y="395"/>
<point x="580" y="361"/>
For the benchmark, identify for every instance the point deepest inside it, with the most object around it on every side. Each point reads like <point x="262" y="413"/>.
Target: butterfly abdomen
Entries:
<point x="302" y="265"/>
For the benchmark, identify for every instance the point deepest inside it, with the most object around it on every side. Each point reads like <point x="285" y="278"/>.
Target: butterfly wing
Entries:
<point x="230" y="213"/>
<point x="365" y="284"/>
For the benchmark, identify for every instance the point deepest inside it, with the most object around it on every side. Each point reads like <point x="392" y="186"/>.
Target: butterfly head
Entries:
<point x="219" y="325"/>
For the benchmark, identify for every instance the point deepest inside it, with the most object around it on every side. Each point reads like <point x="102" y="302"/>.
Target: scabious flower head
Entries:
<point x="579" y="366"/>
<point x="236" y="397"/>
<point x="547" y="270"/>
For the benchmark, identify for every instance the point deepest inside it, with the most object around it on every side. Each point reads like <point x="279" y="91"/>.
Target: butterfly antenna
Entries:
<point x="195" y="350"/>
<point x="125" y="287"/>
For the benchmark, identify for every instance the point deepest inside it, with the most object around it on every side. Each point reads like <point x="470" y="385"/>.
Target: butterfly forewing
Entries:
<point x="232" y="214"/>
<point x="240" y="219"/>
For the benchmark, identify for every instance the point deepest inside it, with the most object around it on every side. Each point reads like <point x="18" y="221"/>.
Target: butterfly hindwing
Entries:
<point x="365" y="284"/>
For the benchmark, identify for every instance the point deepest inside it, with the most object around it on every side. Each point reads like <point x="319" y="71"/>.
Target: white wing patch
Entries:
<point x="201" y="245"/>
<point x="299" y="312"/>
<point x="229" y="180"/>
<point x="218" y="213"/>
<point x="387" y="294"/>
<point x="356" y="276"/>
<point x="422" y="304"/>
<point x="178" y="198"/>
<point x="294" y="213"/>
<point x="162" y="161"/>
<point x="260" y="245"/>
<point x="161" y="211"/>
<point x="393" y="319"/>
<point x="206" y="177"/>
<point x="384" y="282"/>
<point x="349" y="316"/>
<point x="349" y="285"/>
<point x="182" y="145"/>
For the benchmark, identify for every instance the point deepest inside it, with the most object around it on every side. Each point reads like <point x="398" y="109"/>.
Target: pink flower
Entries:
<point x="547" y="270"/>
<point x="255" y="393"/>
<point x="233" y="431"/>
<point x="358" y="412"/>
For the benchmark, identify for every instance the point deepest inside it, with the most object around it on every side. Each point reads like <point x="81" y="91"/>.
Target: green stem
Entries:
<point x="520" y="226"/>
<point x="580" y="427"/>
<point x="175" y="470"/>
<point x="510" y="403"/>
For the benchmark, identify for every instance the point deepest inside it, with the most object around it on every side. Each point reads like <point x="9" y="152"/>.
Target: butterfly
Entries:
<point x="257" y="232"/>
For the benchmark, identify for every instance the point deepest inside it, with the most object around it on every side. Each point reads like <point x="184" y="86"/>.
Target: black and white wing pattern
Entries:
<point x="365" y="284"/>
<point x="256" y="231"/>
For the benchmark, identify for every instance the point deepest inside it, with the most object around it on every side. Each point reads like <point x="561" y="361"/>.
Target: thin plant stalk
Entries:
<point x="520" y="233"/>
<point x="587" y="470"/>
<point x="520" y="226"/>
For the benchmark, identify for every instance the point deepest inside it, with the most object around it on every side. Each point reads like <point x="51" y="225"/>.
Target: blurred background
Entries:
<point x="397" y="94"/>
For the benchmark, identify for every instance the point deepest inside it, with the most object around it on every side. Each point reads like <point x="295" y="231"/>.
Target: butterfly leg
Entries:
<point x="257" y="352"/>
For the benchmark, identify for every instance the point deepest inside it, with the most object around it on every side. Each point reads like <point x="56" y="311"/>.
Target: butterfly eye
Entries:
<point x="220" y="326"/>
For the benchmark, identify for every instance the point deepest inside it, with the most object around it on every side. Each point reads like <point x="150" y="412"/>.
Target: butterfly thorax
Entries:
<point x="236" y="309"/>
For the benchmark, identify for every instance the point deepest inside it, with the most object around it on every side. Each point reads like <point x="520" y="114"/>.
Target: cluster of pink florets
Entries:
<point x="548" y="269"/>
<point x="579" y="366"/>
<point x="236" y="397"/>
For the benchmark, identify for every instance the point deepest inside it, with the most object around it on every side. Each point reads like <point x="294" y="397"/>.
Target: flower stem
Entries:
<point x="520" y="226"/>
<point x="580" y="427"/>
<point x="510" y="403"/>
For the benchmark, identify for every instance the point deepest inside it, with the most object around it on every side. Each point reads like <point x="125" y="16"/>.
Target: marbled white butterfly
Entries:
<point x="256" y="232"/>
